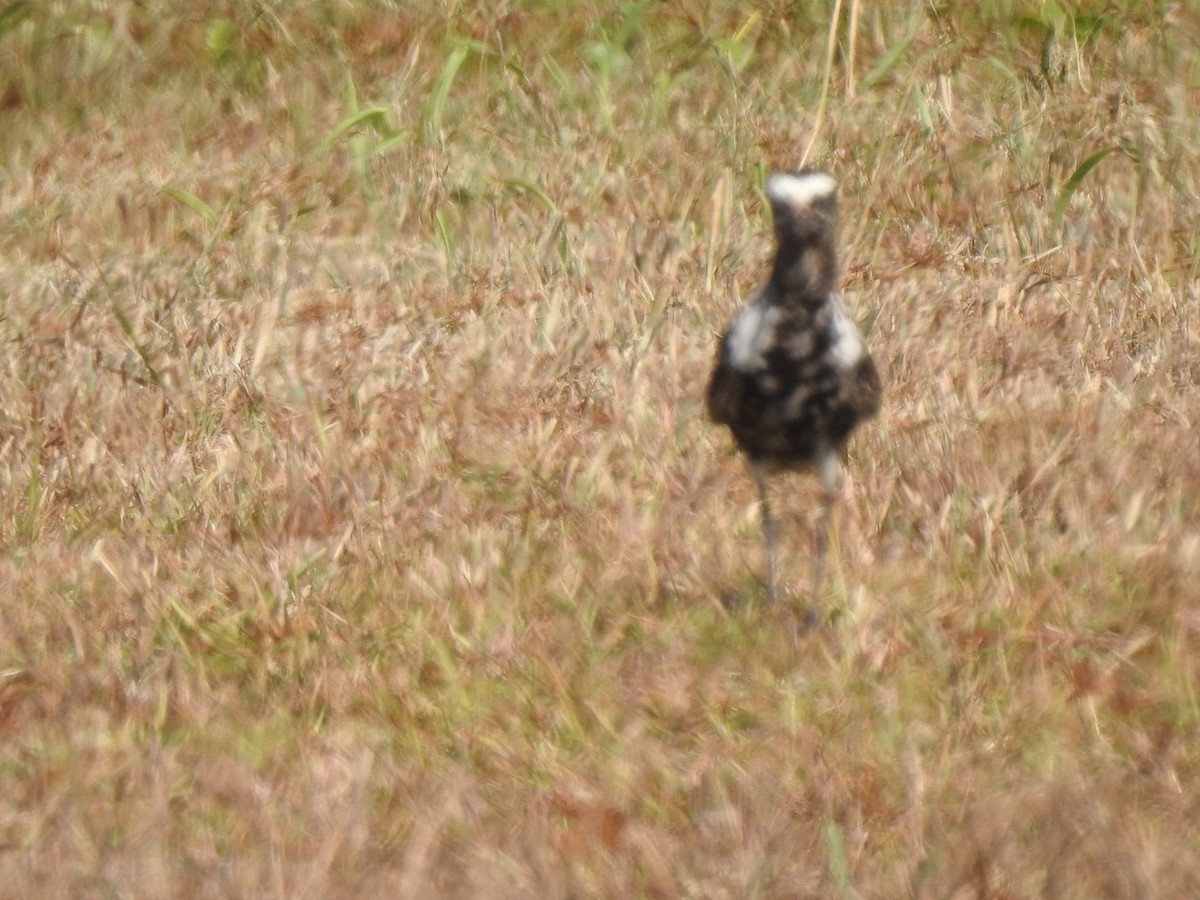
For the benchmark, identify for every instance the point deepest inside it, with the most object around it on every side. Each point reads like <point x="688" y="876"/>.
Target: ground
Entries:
<point x="363" y="534"/>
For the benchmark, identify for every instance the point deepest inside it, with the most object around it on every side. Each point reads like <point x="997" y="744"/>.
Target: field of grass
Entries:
<point x="363" y="534"/>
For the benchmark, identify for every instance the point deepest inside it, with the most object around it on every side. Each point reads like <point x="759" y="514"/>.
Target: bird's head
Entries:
<point x="804" y="204"/>
<point x="805" y="209"/>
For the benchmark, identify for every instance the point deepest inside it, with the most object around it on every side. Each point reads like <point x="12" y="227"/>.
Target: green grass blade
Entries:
<point x="140" y="348"/>
<point x="1072" y="185"/>
<point x="192" y="202"/>
<point x="886" y="63"/>
<point x="1004" y="69"/>
<point x="435" y="106"/>
<point x="390" y="142"/>
<point x="924" y="113"/>
<point x="443" y="228"/>
<point x="377" y="118"/>
<point x="528" y="187"/>
<point x="835" y="848"/>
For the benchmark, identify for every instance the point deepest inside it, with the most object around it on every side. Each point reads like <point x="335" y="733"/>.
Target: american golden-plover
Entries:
<point x="793" y="376"/>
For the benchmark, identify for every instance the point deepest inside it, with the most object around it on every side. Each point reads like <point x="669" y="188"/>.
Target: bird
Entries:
<point x="793" y="376"/>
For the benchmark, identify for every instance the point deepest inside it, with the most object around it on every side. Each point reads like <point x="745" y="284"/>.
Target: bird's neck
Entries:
<point x="804" y="271"/>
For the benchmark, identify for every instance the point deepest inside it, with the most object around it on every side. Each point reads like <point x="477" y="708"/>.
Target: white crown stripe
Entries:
<point x="799" y="191"/>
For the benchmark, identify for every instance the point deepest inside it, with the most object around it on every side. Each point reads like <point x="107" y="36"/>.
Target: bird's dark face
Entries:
<point x="813" y="224"/>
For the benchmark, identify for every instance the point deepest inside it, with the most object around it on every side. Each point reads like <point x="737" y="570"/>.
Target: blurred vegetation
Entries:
<point x="361" y="528"/>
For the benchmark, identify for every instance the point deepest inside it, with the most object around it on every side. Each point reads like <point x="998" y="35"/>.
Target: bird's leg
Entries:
<point x="760" y="478"/>
<point x="829" y="472"/>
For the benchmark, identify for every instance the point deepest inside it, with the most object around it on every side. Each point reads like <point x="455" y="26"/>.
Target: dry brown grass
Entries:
<point x="363" y="535"/>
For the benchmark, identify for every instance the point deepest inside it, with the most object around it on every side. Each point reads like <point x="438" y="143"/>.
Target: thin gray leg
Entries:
<point x="830" y="474"/>
<point x="760" y="478"/>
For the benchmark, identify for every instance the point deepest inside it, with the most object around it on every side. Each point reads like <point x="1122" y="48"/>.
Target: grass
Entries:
<point x="362" y="531"/>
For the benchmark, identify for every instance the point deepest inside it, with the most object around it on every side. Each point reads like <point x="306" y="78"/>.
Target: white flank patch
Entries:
<point x="847" y="347"/>
<point x="752" y="333"/>
<point x="798" y="191"/>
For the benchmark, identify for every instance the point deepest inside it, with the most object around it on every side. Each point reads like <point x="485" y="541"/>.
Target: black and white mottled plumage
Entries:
<point x="793" y="375"/>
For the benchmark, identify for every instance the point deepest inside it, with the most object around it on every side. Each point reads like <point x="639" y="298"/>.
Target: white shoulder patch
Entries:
<point x="798" y="191"/>
<point x="751" y="335"/>
<point x="847" y="346"/>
